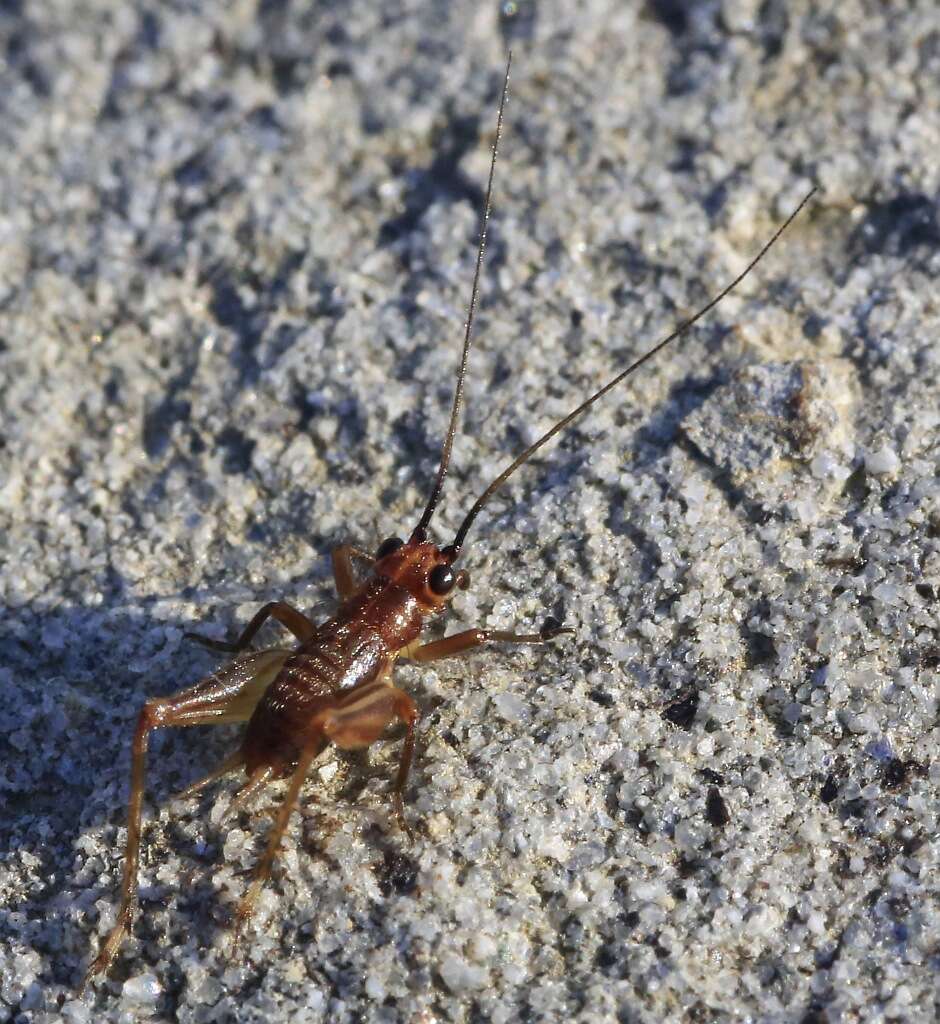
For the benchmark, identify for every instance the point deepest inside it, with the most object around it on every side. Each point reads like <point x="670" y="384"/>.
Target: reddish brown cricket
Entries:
<point x="334" y="685"/>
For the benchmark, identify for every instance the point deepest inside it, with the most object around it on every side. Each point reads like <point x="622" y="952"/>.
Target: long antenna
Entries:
<point x="420" y="530"/>
<point x="478" y="505"/>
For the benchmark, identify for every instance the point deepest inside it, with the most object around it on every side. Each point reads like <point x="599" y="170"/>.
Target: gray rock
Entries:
<point x="770" y="416"/>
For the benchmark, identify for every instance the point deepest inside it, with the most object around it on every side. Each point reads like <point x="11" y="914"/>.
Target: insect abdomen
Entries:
<point x="306" y="684"/>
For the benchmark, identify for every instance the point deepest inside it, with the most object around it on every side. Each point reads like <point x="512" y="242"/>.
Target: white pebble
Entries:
<point x="885" y="460"/>
<point x="142" y="988"/>
<point x="510" y="707"/>
<point x="482" y="948"/>
<point x="553" y="845"/>
<point x="459" y="976"/>
<point x="74" y="1012"/>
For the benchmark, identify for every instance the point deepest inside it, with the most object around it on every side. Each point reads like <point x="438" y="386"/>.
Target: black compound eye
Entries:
<point x="388" y="546"/>
<point x="441" y="580"/>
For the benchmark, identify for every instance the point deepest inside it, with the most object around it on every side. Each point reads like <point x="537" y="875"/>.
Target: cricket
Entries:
<point x="333" y="683"/>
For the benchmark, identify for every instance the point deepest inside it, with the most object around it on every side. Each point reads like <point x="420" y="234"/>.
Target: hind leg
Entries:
<point x="246" y="906"/>
<point x="229" y="695"/>
<point x="232" y="762"/>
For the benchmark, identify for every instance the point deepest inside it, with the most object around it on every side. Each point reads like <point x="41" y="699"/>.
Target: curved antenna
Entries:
<point x="420" y="531"/>
<point x="478" y="505"/>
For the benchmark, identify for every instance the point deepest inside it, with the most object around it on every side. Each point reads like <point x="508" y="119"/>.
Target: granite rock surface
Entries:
<point x="236" y="245"/>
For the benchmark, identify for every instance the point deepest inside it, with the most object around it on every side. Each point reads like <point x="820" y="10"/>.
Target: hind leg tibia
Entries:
<point x="246" y="906"/>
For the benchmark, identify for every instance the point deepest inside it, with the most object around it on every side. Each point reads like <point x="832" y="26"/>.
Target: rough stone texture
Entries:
<point x="237" y="240"/>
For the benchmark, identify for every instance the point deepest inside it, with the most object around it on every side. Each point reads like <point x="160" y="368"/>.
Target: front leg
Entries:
<point x="470" y="639"/>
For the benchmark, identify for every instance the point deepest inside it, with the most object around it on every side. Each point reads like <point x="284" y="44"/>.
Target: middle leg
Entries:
<point x="288" y="616"/>
<point x="356" y="719"/>
<point x="362" y="715"/>
<point x="343" y="573"/>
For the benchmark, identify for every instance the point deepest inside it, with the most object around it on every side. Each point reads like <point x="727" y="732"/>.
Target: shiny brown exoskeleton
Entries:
<point x="334" y="686"/>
